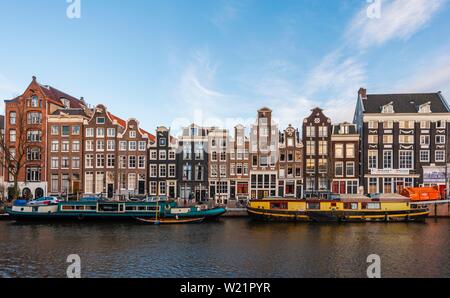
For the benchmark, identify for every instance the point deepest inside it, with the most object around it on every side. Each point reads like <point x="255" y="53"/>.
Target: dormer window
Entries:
<point x="425" y="108"/>
<point x="65" y="102"/>
<point x="389" y="108"/>
<point x="100" y="120"/>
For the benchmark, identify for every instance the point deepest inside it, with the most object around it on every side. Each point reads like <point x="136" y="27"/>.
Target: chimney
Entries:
<point x="34" y="78"/>
<point x="362" y="93"/>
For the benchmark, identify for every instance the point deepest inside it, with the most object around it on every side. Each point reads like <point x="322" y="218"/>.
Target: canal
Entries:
<point x="227" y="248"/>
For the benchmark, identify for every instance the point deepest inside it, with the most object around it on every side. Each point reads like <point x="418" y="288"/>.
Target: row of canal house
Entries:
<point x="395" y="141"/>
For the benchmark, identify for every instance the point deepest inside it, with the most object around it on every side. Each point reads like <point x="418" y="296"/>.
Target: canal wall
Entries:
<point x="439" y="210"/>
<point x="236" y="212"/>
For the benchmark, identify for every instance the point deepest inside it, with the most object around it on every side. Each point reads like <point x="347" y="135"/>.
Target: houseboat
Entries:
<point x="89" y="209"/>
<point x="346" y="208"/>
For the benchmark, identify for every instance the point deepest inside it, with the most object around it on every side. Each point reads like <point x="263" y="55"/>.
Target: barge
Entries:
<point x="110" y="210"/>
<point x="349" y="208"/>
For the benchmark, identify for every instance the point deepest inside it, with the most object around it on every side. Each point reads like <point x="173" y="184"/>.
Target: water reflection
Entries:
<point x="228" y="248"/>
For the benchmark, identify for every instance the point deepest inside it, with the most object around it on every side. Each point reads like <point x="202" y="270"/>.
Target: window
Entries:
<point x="76" y="130"/>
<point x="162" y="171"/>
<point x="339" y="169"/>
<point x="34" y="136"/>
<point x="89" y="145"/>
<point x="406" y="124"/>
<point x="387" y="139"/>
<point x="34" y="101"/>
<point x="388" y="124"/>
<point x="132" y="162"/>
<point x="171" y="170"/>
<point x="100" y="132"/>
<point x="162" y="154"/>
<point x="172" y="155"/>
<point x="100" y="145"/>
<point x="323" y="131"/>
<point x="12" y="118"/>
<point x="34" y="118"/>
<point x="439" y="156"/>
<point x="75" y="162"/>
<point x="89" y="132"/>
<point x="373" y="185"/>
<point x="350" y="169"/>
<point x="373" y="139"/>
<point x="111" y="160"/>
<point x="153" y="154"/>
<point x="65" y="146"/>
<point x="424" y="155"/>
<point x="142" y="146"/>
<point x="123" y="145"/>
<point x="111" y="145"/>
<point x="55" y="146"/>
<point x="141" y="162"/>
<point x="323" y="147"/>
<point x="122" y="162"/>
<point x="132" y="134"/>
<point x="65" y="131"/>
<point x="425" y="124"/>
<point x="89" y="161"/>
<point x="111" y="132"/>
<point x="198" y="151"/>
<point x="100" y="120"/>
<point x="406" y="139"/>
<point x="12" y="135"/>
<point x="89" y="185"/>
<point x="153" y="170"/>
<point x="373" y="124"/>
<point x="387" y="185"/>
<point x="350" y="150"/>
<point x="162" y="187"/>
<point x="310" y="166"/>
<point x="76" y="146"/>
<point x="162" y="142"/>
<point x="310" y="131"/>
<point x="131" y="181"/>
<point x="323" y="165"/>
<point x="310" y="148"/>
<point x="352" y="187"/>
<point x="424" y="140"/>
<point x="405" y="159"/>
<point x="132" y="145"/>
<point x="55" y="183"/>
<point x="387" y="159"/>
<point x="153" y="187"/>
<point x="100" y="160"/>
<point x="440" y="139"/>
<point x="34" y="174"/>
<point x="440" y="124"/>
<point x="65" y="164"/>
<point x="99" y="180"/>
<point x="55" y="162"/>
<point x="187" y="172"/>
<point x="339" y="150"/>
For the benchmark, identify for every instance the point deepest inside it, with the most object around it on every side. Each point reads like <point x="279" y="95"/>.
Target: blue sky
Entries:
<point x="217" y="61"/>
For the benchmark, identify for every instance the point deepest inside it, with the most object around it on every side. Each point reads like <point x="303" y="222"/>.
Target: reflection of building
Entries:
<point x="163" y="165"/>
<point x="290" y="169"/>
<point x="345" y="158"/>
<point x="263" y="156"/>
<point x="404" y="140"/>
<point x="218" y="160"/>
<point x="317" y="171"/>
<point x="193" y="163"/>
<point x="239" y="165"/>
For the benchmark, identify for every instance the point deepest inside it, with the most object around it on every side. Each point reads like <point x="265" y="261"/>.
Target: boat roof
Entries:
<point x="347" y="198"/>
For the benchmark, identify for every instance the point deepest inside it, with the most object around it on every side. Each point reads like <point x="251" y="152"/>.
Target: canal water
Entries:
<point x="227" y="248"/>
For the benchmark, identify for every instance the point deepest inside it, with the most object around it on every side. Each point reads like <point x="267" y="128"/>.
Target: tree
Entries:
<point x="14" y="144"/>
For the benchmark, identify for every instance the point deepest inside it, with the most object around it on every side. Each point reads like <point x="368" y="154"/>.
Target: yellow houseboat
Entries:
<point x="346" y="208"/>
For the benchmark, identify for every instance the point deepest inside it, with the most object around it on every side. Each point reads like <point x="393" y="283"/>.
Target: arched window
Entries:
<point x="34" y="101"/>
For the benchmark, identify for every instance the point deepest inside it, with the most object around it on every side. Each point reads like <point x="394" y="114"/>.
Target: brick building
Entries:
<point x="290" y="164"/>
<point x="239" y="165"/>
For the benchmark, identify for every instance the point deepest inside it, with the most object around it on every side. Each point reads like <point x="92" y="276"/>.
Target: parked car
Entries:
<point x="44" y="201"/>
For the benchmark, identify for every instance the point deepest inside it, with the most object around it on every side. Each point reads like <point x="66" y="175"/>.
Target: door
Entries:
<point x="172" y="192"/>
<point x="39" y="193"/>
<point x="141" y="187"/>
<point x="110" y="190"/>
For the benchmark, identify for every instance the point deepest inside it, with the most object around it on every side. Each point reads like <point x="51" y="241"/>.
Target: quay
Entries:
<point x="439" y="208"/>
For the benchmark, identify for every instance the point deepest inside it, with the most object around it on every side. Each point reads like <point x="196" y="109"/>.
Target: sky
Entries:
<point x="216" y="62"/>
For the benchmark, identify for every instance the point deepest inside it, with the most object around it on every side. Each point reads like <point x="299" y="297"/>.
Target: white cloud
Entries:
<point x="399" y="19"/>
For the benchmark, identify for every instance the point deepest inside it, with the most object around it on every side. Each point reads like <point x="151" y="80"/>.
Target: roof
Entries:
<point x="405" y="103"/>
<point x="123" y="123"/>
<point x="56" y="96"/>
<point x="351" y="129"/>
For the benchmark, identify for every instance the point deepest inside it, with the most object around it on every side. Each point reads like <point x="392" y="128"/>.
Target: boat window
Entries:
<point x="351" y="206"/>
<point x="363" y="205"/>
<point x="279" y="205"/>
<point x="151" y="208"/>
<point x="373" y="206"/>
<point x="80" y="207"/>
<point x="66" y="207"/>
<point x="108" y="207"/>
<point x="130" y="208"/>
<point x="142" y="208"/>
<point x="91" y="208"/>
<point x="333" y="204"/>
<point x="314" y="206"/>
